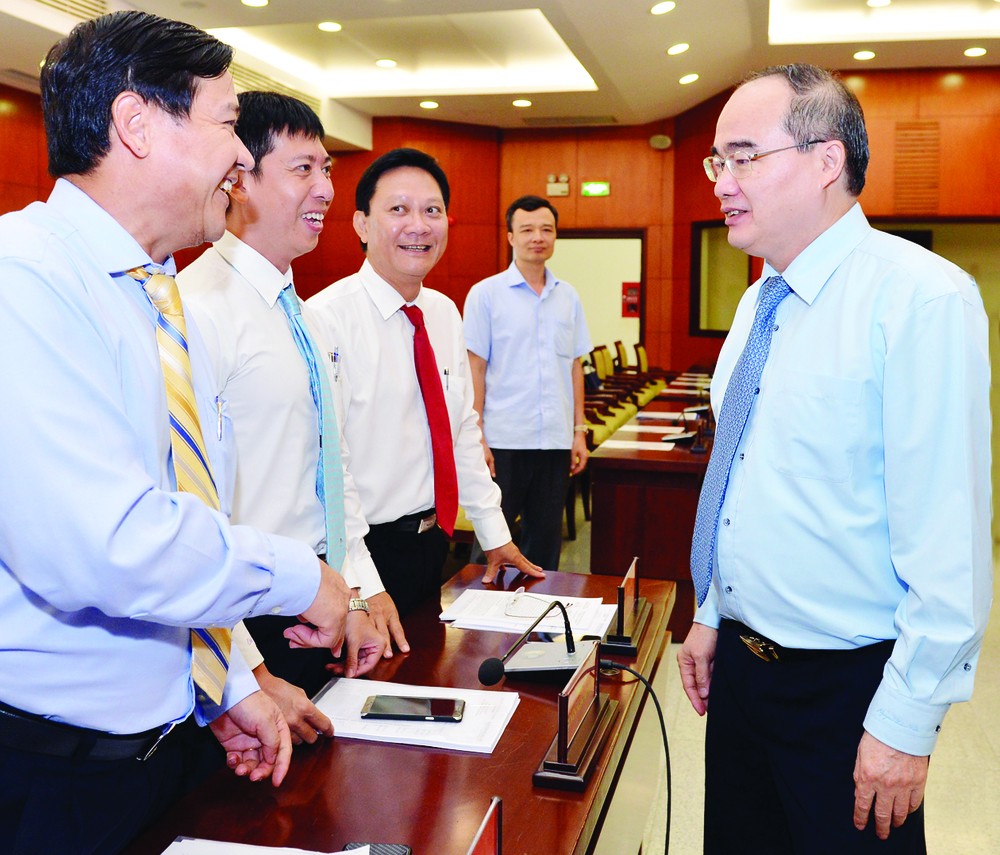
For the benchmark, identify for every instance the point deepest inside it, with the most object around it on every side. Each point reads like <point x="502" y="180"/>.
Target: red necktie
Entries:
<point x="445" y="480"/>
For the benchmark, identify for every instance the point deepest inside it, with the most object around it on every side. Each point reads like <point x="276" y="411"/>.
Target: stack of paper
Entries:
<point x="486" y="715"/>
<point x="515" y="611"/>
<point x="192" y="846"/>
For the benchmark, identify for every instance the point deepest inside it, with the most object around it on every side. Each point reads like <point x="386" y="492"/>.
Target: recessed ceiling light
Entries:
<point x="879" y="4"/>
<point x="669" y="6"/>
<point x="864" y="55"/>
<point x="521" y="102"/>
<point x="688" y="78"/>
<point x="385" y="63"/>
<point x="678" y="48"/>
<point x="330" y="27"/>
<point x="255" y="3"/>
<point x="429" y="105"/>
<point x="975" y="51"/>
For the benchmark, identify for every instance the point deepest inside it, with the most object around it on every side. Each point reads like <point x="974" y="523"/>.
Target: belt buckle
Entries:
<point x="152" y="748"/>
<point x="760" y="648"/>
<point x="427" y="523"/>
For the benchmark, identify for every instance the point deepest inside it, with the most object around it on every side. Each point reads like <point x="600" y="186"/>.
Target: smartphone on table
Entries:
<point x="401" y="708"/>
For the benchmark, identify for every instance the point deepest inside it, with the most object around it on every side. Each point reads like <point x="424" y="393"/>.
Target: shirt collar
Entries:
<point x="387" y="299"/>
<point x="265" y="278"/>
<point x="513" y="277"/>
<point x="812" y="267"/>
<point x="114" y="249"/>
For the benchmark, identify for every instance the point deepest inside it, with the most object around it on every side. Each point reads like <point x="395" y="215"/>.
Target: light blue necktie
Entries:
<point x="740" y="393"/>
<point x="329" y="469"/>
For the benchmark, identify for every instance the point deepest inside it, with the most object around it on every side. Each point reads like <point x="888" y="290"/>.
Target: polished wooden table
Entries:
<point x="340" y="791"/>
<point x="643" y="504"/>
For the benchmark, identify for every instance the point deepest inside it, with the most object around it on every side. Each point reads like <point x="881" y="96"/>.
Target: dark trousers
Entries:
<point x="84" y="807"/>
<point x="410" y="564"/>
<point x="781" y="742"/>
<point x="534" y="485"/>
<point x="303" y="667"/>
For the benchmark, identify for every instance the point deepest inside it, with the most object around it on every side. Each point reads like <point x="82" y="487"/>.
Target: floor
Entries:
<point x="963" y="792"/>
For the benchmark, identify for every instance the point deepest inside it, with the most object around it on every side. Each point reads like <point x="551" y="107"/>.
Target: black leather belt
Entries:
<point x="33" y="733"/>
<point x="412" y="523"/>
<point x="770" y="651"/>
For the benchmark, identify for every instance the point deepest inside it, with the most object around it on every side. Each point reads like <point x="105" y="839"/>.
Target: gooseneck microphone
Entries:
<point x="491" y="671"/>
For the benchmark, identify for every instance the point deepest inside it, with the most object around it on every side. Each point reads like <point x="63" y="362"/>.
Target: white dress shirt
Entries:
<point x="858" y="504"/>
<point x="262" y="386"/>
<point x="358" y="320"/>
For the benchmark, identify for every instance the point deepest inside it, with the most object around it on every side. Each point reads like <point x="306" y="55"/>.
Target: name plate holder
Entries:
<point x="584" y="721"/>
<point x="632" y="618"/>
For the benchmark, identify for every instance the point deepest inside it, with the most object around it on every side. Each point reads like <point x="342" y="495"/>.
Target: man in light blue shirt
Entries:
<point x="106" y="566"/>
<point x="849" y="550"/>
<point x="526" y="334"/>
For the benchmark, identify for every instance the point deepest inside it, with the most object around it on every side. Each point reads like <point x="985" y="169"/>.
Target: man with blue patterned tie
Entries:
<point x="271" y="388"/>
<point x="118" y="569"/>
<point x="841" y="553"/>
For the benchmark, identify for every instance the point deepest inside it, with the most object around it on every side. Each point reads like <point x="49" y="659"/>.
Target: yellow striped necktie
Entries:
<point x="209" y="646"/>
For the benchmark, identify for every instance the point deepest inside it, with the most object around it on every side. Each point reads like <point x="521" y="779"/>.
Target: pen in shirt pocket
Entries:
<point x="218" y="412"/>
<point x="446" y="376"/>
<point x="335" y="359"/>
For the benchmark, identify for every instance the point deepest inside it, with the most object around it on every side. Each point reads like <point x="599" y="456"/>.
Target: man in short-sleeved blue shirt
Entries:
<point x="526" y="334"/>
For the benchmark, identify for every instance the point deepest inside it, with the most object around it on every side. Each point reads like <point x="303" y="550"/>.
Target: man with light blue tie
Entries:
<point x="842" y="552"/>
<point x="272" y="392"/>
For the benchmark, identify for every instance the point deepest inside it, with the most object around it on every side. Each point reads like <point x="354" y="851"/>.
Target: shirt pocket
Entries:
<point x="564" y="339"/>
<point x="817" y="425"/>
<point x="454" y="396"/>
<point x="220" y="446"/>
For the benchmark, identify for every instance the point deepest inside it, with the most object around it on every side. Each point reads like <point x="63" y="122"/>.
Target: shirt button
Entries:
<point x="276" y="610"/>
<point x="757" y="391"/>
<point x="967" y="666"/>
<point x="726" y="521"/>
<point x="729" y="589"/>
<point x="742" y="455"/>
<point x="775" y="327"/>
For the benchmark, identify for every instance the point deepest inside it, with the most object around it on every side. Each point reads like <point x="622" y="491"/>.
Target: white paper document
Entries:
<point x="631" y="427"/>
<point x="637" y="445"/>
<point x="192" y="846"/>
<point x="644" y="415"/>
<point x="486" y="715"/>
<point x="515" y="611"/>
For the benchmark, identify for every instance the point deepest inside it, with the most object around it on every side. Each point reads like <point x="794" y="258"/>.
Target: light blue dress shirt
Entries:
<point x="858" y="506"/>
<point x="103" y="567"/>
<point x="529" y="342"/>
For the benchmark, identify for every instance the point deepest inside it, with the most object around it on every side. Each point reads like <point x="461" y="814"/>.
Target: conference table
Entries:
<point x="341" y="790"/>
<point x="644" y="500"/>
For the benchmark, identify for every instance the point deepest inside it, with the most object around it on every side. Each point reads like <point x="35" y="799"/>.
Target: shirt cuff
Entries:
<point x="903" y="723"/>
<point x="240" y="683"/>
<point x="244" y="641"/>
<point x="491" y="529"/>
<point x="367" y="576"/>
<point x="708" y="612"/>
<point x="294" y="580"/>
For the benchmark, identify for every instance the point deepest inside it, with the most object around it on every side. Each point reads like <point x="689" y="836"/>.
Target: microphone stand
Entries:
<point x="492" y="669"/>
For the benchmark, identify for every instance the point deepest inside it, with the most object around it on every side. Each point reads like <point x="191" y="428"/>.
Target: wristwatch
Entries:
<point x="358" y="605"/>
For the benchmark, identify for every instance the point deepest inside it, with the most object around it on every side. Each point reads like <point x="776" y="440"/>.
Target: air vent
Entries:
<point x="570" y="121"/>
<point x="245" y="79"/>
<point x="918" y="167"/>
<point x="82" y="9"/>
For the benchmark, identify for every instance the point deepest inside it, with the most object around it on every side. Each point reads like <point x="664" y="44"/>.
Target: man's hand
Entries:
<point x="386" y="619"/>
<point x="695" y="660"/>
<point x="508" y="554"/>
<point x="256" y="739"/>
<point x="327" y="614"/>
<point x="894" y="781"/>
<point x="364" y="646"/>
<point x="579" y="454"/>
<point x="304" y="719"/>
<point x="488" y="454"/>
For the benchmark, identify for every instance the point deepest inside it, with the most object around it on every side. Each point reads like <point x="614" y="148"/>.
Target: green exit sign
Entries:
<point x="595" y="188"/>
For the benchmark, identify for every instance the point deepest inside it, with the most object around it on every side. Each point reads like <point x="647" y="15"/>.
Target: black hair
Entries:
<point x="397" y="159"/>
<point x="824" y="109"/>
<point x="264" y="116"/>
<point x="529" y="203"/>
<point x="160" y="60"/>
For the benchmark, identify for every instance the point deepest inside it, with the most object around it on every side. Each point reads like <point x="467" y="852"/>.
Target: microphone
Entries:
<point x="491" y="671"/>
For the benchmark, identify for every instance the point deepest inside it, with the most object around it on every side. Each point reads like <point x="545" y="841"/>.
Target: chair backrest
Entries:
<point x="599" y="356"/>
<point x="622" y="355"/>
<point x="642" y="361"/>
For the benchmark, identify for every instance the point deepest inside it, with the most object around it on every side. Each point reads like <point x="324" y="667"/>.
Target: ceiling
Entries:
<point x="580" y="62"/>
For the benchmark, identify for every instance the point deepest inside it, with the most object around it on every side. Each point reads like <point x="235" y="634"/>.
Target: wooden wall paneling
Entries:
<point x="963" y="175"/>
<point x="527" y="158"/>
<point x="957" y="92"/>
<point x="24" y="174"/>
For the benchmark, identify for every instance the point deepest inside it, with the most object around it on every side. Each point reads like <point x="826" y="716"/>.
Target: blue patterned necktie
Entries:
<point x="732" y="419"/>
<point x="329" y="471"/>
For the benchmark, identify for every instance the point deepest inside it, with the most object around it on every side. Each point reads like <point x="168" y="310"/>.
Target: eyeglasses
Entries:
<point x="520" y="607"/>
<point x="740" y="163"/>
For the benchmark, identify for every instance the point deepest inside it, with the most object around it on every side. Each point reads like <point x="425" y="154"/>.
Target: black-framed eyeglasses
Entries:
<point x="740" y="163"/>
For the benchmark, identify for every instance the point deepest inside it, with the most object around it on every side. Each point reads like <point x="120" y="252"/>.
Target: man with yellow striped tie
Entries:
<point x="119" y="575"/>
